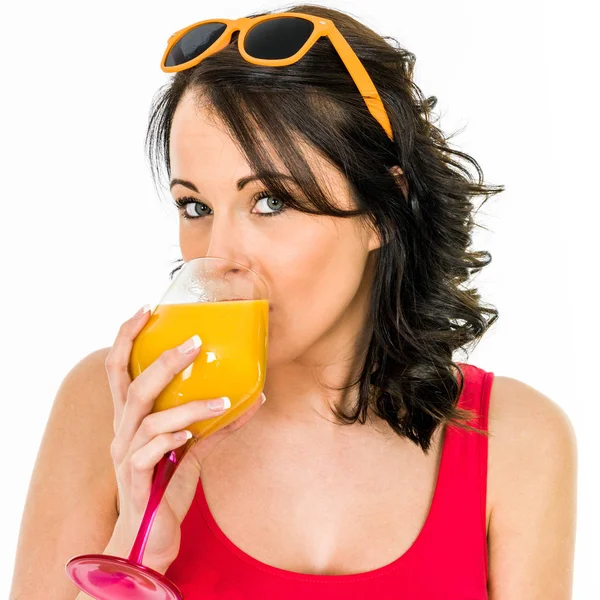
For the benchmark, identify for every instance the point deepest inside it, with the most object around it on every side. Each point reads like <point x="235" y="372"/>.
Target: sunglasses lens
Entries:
<point x="278" y="38"/>
<point x="194" y="42"/>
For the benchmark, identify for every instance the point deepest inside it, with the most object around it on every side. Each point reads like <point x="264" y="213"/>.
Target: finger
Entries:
<point x="242" y="419"/>
<point x="117" y="361"/>
<point x="143" y="461"/>
<point x="205" y="445"/>
<point x="176" y="419"/>
<point x="147" y="386"/>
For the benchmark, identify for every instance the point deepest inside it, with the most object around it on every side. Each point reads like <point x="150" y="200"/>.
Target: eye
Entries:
<point x="273" y="205"/>
<point x="198" y="210"/>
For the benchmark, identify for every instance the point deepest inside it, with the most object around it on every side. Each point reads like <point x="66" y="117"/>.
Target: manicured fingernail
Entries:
<point x="264" y="398"/>
<point x="190" y="345"/>
<point x="142" y="310"/>
<point x="219" y="404"/>
<point x="183" y="435"/>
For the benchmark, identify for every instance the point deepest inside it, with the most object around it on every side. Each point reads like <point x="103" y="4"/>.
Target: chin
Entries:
<point x="278" y="354"/>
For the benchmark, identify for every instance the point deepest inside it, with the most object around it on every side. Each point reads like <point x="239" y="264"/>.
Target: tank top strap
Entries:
<point x="461" y="505"/>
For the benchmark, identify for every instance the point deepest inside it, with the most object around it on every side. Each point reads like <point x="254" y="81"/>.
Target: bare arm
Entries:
<point x="70" y="507"/>
<point x="533" y="519"/>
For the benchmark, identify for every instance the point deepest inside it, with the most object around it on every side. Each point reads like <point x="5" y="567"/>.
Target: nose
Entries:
<point x="226" y="240"/>
<point x="230" y="241"/>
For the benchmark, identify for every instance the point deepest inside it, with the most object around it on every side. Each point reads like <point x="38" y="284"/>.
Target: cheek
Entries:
<point x="315" y="276"/>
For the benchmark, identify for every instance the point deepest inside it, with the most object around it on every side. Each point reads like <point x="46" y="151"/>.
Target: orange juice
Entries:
<point x="231" y="361"/>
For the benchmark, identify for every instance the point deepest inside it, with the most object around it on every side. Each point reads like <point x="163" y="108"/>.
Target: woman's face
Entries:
<point x="318" y="268"/>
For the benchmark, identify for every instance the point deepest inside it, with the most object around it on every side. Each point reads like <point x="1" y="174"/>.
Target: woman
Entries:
<point x="370" y="468"/>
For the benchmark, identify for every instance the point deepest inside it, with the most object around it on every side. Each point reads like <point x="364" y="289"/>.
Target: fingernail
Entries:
<point x="190" y="345"/>
<point x="264" y="398"/>
<point x="219" y="404"/>
<point x="183" y="435"/>
<point x="142" y="310"/>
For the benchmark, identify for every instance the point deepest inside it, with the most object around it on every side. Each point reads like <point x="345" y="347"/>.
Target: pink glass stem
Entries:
<point x="163" y="473"/>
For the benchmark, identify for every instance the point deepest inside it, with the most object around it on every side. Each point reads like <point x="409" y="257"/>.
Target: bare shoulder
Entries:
<point x="88" y="379"/>
<point x="84" y="395"/>
<point x="96" y="360"/>
<point x="532" y="472"/>
<point x="91" y="367"/>
<point x="95" y="365"/>
<point x="522" y="418"/>
<point x="525" y="426"/>
<point x="70" y="505"/>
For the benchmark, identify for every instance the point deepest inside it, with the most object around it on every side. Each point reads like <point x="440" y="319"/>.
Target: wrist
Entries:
<point x="117" y="546"/>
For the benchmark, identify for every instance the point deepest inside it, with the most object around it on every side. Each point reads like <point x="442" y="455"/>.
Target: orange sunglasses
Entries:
<point x="273" y="40"/>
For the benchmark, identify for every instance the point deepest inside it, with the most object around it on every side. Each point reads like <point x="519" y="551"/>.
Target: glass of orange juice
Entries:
<point x="227" y="305"/>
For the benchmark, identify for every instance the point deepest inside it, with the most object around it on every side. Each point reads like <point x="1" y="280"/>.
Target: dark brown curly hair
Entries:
<point x="421" y="309"/>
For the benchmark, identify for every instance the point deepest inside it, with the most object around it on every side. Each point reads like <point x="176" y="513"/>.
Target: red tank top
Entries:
<point x="448" y="560"/>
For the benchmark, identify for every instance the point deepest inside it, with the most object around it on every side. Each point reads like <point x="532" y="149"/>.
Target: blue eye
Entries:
<point x="276" y="206"/>
<point x="264" y="196"/>
<point x="183" y="202"/>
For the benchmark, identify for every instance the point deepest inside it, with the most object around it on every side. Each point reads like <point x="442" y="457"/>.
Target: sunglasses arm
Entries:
<point x="361" y="78"/>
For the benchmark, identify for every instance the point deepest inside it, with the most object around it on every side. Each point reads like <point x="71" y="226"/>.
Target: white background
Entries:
<point x="85" y="240"/>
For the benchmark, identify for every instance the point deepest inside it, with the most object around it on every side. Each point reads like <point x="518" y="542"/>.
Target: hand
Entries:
<point x="142" y="438"/>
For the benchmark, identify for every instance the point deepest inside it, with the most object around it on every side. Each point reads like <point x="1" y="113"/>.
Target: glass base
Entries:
<point x="107" y="577"/>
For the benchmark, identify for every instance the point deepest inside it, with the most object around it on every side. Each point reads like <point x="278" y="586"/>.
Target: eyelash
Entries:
<point x="182" y="202"/>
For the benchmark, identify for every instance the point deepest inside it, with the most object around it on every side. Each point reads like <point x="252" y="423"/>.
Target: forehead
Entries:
<point x="199" y="143"/>
<point x="199" y="140"/>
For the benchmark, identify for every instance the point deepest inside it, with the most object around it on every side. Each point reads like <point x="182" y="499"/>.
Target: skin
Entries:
<point x="313" y="479"/>
<point x="318" y="268"/>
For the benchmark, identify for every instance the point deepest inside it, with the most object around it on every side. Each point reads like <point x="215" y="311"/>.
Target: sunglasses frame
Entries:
<point x="322" y="28"/>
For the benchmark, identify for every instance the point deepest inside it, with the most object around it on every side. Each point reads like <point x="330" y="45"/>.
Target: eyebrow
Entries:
<point x="240" y="183"/>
